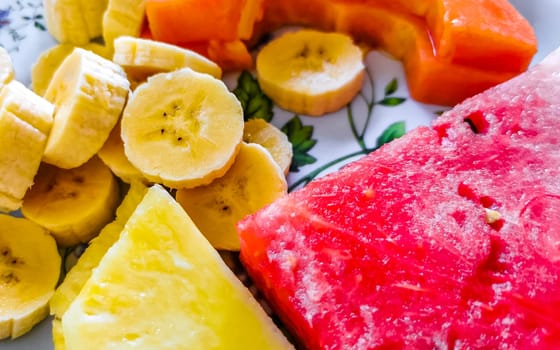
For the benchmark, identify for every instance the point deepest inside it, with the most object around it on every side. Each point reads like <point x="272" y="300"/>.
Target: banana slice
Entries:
<point x="6" y="67"/>
<point x="141" y="58"/>
<point x="73" y="204"/>
<point x="48" y="62"/>
<point x="123" y="18"/>
<point x="182" y="129"/>
<point x="112" y="154"/>
<point x="311" y="72"/>
<point x="253" y="181"/>
<point x="89" y="93"/>
<point x="259" y="131"/>
<point x="29" y="270"/>
<point x="74" y="21"/>
<point x="25" y="122"/>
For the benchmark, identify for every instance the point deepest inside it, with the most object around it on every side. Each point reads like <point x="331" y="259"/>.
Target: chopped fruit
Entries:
<point x="74" y="22"/>
<point x="189" y="117"/>
<point x="25" y="123"/>
<point x="442" y="71"/>
<point x="261" y="132"/>
<point x="142" y="58"/>
<point x="487" y="34"/>
<point x="29" y="269"/>
<point x="456" y="244"/>
<point x="49" y="61"/>
<point x="112" y="154"/>
<point x="311" y="72"/>
<point x="194" y="301"/>
<point x="73" y="204"/>
<point x="74" y="281"/>
<point x="123" y="18"/>
<point x="89" y="93"/>
<point x="253" y="181"/>
<point x="184" y="21"/>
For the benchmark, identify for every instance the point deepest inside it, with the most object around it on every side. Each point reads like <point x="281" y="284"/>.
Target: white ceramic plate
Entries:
<point x="23" y="34"/>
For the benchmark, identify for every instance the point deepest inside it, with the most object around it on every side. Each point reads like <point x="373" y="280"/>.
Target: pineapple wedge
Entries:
<point x="163" y="286"/>
<point x="81" y="272"/>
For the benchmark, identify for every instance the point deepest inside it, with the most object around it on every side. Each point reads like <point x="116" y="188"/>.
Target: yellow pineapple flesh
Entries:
<point x="163" y="286"/>
<point x="80" y="273"/>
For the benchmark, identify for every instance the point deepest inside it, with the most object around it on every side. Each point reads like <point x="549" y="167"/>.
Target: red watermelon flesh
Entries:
<point x="448" y="238"/>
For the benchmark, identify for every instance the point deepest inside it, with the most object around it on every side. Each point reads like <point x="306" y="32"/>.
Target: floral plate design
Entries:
<point x="381" y="112"/>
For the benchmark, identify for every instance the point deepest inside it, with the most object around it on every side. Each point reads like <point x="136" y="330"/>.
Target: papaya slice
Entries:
<point x="430" y="79"/>
<point x="414" y="7"/>
<point x="488" y="34"/>
<point x="229" y="55"/>
<point x="180" y="21"/>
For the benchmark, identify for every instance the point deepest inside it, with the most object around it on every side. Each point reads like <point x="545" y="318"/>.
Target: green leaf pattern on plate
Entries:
<point x="254" y="102"/>
<point x="257" y="105"/>
<point x="302" y="142"/>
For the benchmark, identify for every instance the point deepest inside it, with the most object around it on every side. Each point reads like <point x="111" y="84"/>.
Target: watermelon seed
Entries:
<point x="471" y="125"/>
<point x="477" y="122"/>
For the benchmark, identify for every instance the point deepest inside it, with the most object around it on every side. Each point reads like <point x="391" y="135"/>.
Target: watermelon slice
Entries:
<point x="448" y="238"/>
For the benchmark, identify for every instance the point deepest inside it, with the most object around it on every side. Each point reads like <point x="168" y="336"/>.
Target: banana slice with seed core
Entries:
<point x="261" y="132"/>
<point x="29" y="270"/>
<point x="311" y="72"/>
<point x="25" y="122"/>
<point x="182" y="129"/>
<point x="73" y="204"/>
<point x="142" y="57"/>
<point x="6" y="67"/>
<point x="253" y="181"/>
<point x="89" y="93"/>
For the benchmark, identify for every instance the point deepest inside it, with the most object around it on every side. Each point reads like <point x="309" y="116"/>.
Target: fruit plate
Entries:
<point x="382" y="111"/>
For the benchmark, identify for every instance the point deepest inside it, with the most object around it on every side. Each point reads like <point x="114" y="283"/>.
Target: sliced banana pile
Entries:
<point x="149" y="113"/>
<point x="139" y="112"/>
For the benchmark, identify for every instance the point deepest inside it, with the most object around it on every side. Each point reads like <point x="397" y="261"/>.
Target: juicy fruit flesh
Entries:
<point x="194" y="301"/>
<point x="397" y="249"/>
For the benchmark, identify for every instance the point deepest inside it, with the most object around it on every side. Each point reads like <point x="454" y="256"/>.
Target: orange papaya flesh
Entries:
<point x="413" y="7"/>
<point x="229" y="55"/>
<point x="486" y="34"/>
<point x="405" y="37"/>
<point x="489" y="34"/>
<point x="434" y="81"/>
<point x="179" y="21"/>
